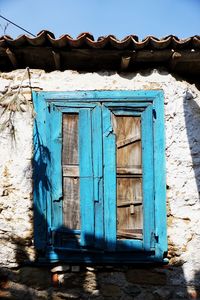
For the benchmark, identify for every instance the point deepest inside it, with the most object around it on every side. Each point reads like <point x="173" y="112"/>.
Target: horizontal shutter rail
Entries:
<point x="130" y="233"/>
<point x="126" y="203"/>
<point x="136" y="199"/>
<point x="124" y="175"/>
<point x="65" y="230"/>
<point x="79" y="250"/>
<point x="129" y="170"/>
<point x="128" y="141"/>
<point x="127" y="105"/>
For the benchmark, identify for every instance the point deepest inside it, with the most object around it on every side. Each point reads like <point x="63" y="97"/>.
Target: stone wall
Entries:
<point x="181" y="278"/>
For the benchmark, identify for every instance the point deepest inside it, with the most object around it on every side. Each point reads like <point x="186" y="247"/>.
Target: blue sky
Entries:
<point x="103" y="17"/>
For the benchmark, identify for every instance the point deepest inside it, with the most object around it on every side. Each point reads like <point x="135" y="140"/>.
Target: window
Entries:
<point x="99" y="176"/>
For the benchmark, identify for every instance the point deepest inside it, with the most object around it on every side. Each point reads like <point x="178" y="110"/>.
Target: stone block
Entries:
<point x="132" y="290"/>
<point x="110" y="290"/>
<point x="39" y="278"/>
<point x="65" y="295"/>
<point x="146" y="276"/>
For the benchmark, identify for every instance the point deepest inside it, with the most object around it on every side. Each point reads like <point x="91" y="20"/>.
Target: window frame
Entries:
<point x="44" y="103"/>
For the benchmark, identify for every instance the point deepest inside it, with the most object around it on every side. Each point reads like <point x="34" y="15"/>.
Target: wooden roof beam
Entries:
<point x="125" y="60"/>
<point x="12" y="58"/>
<point x="56" y="57"/>
<point x="175" y="58"/>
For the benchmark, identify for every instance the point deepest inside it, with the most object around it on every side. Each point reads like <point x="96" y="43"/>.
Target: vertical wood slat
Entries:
<point x="56" y="166"/>
<point x="98" y="173"/>
<point x="70" y="159"/>
<point x="160" y="176"/>
<point x="40" y="161"/>
<point x="109" y="157"/>
<point x="86" y="177"/>
<point x="148" y="176"/>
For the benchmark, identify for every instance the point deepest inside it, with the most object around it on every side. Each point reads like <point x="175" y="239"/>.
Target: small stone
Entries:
<point x="64" y="295"/>
<point x="90" y="269"/>
<point x="193" y="293"/>
<point x="176" y="261"/>
<point x="63" y="268"/>
<point x="95" y="293"/>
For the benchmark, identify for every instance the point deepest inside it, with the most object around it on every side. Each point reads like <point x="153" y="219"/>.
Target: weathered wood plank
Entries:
<point x="124" y="128"/>
<point x="129" y="233"/>
<point x="71" y="207"/>
<point x="129" y="170"/>
<point x="128" y="141"/>
<point x="129" y="203"/>
<point x="128" y="96"/>
<point x="70" y="171"/>
<point x="70" y="139"/>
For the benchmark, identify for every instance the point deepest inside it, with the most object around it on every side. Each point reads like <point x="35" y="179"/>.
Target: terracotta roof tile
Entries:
<point x="86" y="40"/>
<point x="106" y="52"/>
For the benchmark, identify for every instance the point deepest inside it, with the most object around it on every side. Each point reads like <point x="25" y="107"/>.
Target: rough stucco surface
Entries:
<point x="182" y="123"/>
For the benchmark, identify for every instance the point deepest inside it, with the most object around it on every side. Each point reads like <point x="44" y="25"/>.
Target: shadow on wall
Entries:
<point x="64" y="281"/>
<point x="192" y="121"/>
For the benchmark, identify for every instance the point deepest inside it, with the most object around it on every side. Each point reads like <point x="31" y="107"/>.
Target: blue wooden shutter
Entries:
<point x="159" y="177"/>
<point x="86" y="177"/>
<point x="55" y="142"/>
<point x="41" y="159"/>
<point x="109" y="157"/>
<point x="110" y="178"/>
<point x="148" y="178"/>
<point x="97" y="149"/>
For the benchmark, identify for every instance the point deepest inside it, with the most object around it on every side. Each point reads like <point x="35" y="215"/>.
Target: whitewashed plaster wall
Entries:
<point x="182" y="123"/>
